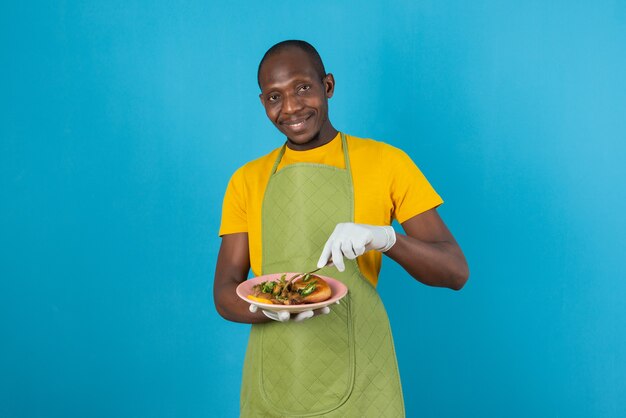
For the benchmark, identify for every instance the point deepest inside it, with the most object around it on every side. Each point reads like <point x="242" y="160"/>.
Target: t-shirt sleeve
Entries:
<point x="411" y="193"/>
<point x="234" y="208"/>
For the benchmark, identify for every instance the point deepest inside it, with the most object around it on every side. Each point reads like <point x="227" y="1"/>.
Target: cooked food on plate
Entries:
<point x="297" y="290"/>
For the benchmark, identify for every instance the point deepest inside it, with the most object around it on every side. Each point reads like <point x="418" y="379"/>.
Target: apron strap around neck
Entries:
<point x="344" y="147"/>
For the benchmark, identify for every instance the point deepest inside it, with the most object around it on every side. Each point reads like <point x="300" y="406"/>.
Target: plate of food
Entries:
<point x="292" y="292"/>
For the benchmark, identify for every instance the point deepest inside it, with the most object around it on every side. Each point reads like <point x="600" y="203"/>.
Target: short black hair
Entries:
<point x="293" y="43"/>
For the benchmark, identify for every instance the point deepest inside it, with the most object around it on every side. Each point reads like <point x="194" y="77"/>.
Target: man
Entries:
<point x="325" y="196"/>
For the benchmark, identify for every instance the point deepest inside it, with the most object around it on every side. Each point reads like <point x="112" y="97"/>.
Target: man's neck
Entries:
<point x="324" y="136"/>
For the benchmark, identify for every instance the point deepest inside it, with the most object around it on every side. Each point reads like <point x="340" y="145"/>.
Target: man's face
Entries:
<point x="295" y="97"/>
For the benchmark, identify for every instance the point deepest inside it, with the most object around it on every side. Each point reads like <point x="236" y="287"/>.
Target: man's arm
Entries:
<point x="233" y="264"/>
<point x="429" y="252"/>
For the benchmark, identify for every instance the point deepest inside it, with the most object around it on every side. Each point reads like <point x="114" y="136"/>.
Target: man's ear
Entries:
<point x="261" y="98"/>
<point x="329" y="85"/>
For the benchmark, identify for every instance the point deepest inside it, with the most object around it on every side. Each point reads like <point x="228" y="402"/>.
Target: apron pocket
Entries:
<point x="307" y="368"/>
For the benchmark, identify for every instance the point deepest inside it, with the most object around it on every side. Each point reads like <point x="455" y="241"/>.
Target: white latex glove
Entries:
<point x="284" y="316"/>
<point x="351" y="240"/>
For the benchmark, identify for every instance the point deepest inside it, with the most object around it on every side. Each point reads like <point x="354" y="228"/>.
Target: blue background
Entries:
<point x="121" y="122"/>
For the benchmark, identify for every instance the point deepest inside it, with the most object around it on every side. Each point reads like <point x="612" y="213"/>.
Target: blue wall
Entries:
<point x="121" y="122"/>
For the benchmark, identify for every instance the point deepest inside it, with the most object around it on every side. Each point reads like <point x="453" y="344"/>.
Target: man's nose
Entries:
<point x="291" y="104"/>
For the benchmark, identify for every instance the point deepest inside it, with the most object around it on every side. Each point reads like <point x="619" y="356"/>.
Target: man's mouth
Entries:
<point x="296" y="124"/>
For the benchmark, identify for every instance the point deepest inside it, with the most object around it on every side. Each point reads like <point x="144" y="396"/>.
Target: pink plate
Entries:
<point x="338" y="289"/>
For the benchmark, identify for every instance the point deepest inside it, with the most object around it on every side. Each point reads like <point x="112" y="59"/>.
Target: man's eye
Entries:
<point x="272" y="97"/>
<point x="304" y="88"/>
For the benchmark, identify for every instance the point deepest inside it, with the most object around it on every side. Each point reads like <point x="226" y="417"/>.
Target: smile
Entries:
<point x="296" y="124"/>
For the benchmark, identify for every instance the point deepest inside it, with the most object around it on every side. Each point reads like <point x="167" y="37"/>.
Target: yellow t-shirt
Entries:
<point x="387" y="186"/>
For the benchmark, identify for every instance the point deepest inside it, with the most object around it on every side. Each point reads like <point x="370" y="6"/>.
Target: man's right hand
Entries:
<point x="284" y="316"/>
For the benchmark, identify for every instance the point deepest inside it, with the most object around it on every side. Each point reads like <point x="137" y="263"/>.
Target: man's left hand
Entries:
<point x="351" y="240"/>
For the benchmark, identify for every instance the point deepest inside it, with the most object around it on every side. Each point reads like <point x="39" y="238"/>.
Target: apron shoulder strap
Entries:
<point x="278" y="158"/>
<point x="344" y="147"/>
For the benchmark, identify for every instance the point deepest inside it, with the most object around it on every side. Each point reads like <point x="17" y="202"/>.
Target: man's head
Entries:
<point x="294" y="91"/>
<point x="316" y="60"/>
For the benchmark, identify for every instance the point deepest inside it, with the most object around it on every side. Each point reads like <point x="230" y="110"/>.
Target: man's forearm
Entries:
<point x="439" y="264"/>
<point x="233" y="265"/>
<point x="232" y="308"/>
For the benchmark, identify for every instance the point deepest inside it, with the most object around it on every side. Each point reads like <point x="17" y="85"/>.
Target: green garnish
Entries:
<point x="267" y="287"/>
<point x="310" y="288"/>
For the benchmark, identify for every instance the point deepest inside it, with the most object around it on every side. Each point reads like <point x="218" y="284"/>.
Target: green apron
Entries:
<point x="338" y="365"/>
